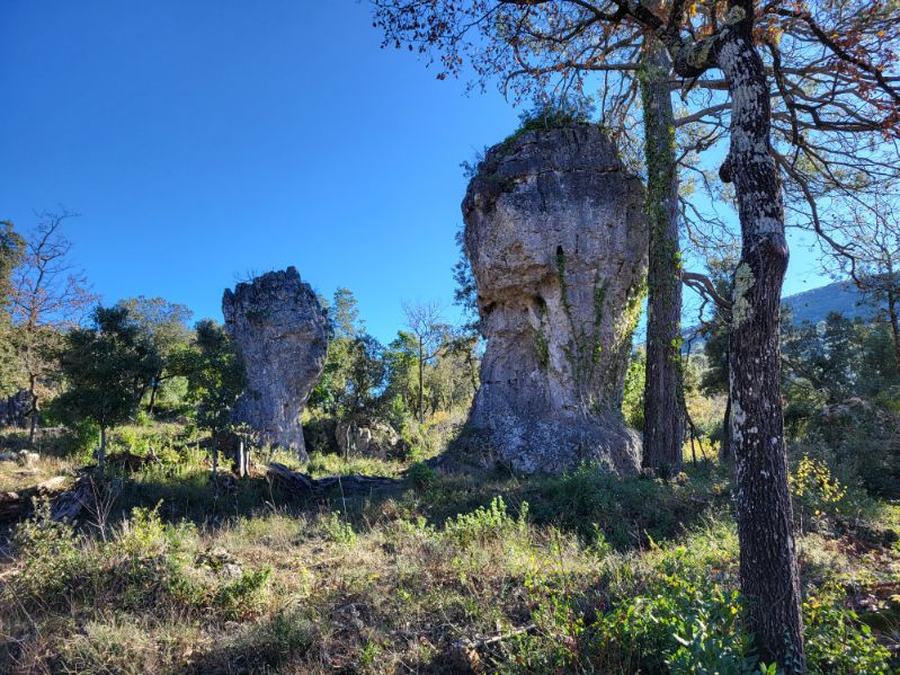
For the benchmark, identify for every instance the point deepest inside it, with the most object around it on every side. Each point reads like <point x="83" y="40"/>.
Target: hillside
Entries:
<point x="816" y="304"/>
<point x="809" y="306"/>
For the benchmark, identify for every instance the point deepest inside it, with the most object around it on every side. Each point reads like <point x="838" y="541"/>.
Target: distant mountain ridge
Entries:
<point x="812" y="306"/>
<point x="816" y="304"/>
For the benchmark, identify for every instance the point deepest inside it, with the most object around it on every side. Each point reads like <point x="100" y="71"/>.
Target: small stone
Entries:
<point x="26" y="458"/>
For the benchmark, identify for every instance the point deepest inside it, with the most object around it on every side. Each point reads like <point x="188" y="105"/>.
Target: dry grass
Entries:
<point x="241" y="579"/>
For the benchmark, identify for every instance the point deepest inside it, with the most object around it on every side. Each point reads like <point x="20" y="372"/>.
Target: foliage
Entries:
<point x="421" y="476"/>
<point x="816" y="493"/>
<point x="147" y="566"/>
<point x="352" y="378"/>
<point x="12" y="247"/>
<point x="484" y="523"/>
<point x="165" y="325"/>
<point x="50" y="554"/>
<point x="344" y="315"/>
<point x="248" y="586"/>
<point x="214" y="373"/>
<point x="682" y="621"/>
<point x="554" y="113"/>
<point x="336" y="529"/>
<point x="629" y="511"/>
<point x="106" y="367"/>
<point x="633" y="398"/>
<point x="47" y="295"/>
<point x="837" y="642"/>
<point x="465" y="295"/>
<point x="840" y="382"/>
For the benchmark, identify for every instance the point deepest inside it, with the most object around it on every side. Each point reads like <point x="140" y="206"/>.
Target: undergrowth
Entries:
<point x="454" y="573"/>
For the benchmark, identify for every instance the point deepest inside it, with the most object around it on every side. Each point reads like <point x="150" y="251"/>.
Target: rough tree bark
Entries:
<point x="894" y="317"/>
<point x="663" y="420"/>
<point x="768" y="564"/>
<point x="725" y="450"/>
<point x="101" y="451"/>
<point x="35" y="411"/>
<point x="154" y="388"/>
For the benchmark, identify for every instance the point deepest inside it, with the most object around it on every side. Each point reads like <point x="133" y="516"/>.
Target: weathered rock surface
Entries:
<point x="556" y="235"/>
<point x="16" y="409"/>
<point x="282" y="333"/>
<point x="369" y="439"/>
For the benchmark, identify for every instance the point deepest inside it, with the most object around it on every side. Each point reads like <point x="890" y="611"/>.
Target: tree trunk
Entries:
<point x="663" y="421"/>
<point x="241" y="459"/>
<point x="153" y="391"/>
<point x="214" y="447"/>
<point x="768" y="566"/>
<point x="101" y="452"/>
<point x="892" y="302"/>
<point x="421" y="382"/>
<point x="32" y="431"/>
<point x="725" y="449"/>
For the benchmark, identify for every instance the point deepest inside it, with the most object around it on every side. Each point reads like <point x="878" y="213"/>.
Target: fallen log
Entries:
<point x="353" y="484"/>
<point x="18" y="504"/>
<point x="69" y="505"/>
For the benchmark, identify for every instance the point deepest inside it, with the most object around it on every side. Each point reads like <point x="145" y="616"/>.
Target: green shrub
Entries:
<point x="682" y="621"/>
<point x="50" y="557"/>
<point x="421" y="476"/>
<point x="336" y="529"/>
<point x="484" y="524"/>
<point x="261" y="647"/>
<point x="837" y="643"/>
<point x="245" y="596"/>
<point x="629" y="511"/>
<point x="148" y="566"/>
<point x="318" y="434"/>
<point x="818" y="496"/>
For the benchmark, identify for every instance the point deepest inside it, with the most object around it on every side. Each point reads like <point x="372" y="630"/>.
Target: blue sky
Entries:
<point x="204" y="140"/>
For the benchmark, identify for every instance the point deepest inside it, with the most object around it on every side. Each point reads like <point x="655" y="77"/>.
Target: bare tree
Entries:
<point x="48" y="294"/>
<point x="871" y="257"/>
<point x="719" y="43"/>
<point x="424" y="322"/>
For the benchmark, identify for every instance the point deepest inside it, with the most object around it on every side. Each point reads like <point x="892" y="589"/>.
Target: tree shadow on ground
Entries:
<point x="628" y="512"/>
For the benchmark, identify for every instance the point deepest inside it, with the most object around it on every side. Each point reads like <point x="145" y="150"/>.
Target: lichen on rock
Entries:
<point x="282" y="333"/>
<point x="557" y="239"/>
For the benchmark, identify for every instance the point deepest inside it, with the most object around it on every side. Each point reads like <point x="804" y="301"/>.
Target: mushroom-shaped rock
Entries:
<point x="282" y="334"/>
<point x="557" y="239"/>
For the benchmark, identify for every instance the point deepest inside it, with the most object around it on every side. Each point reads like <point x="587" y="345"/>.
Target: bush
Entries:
<point x="817" y="494"/>
<point x="421" y="476"/>
<point x="337" y="529"/>
<point x="485" y="524"/>
<point x="683" y="620"/>
<point x="148" y="566"/>
<point x="629" y="511"/>
<point x="50" y="558"/>
<point x="682" y="615"/>
<point x="318" y="434"/>
<point x="837" y="643"/>
<point x="245" y="596"/>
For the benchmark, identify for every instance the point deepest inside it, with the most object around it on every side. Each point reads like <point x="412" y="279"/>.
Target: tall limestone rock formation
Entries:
<point x="282" y="333"/>
<point x="556" y="235"/>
